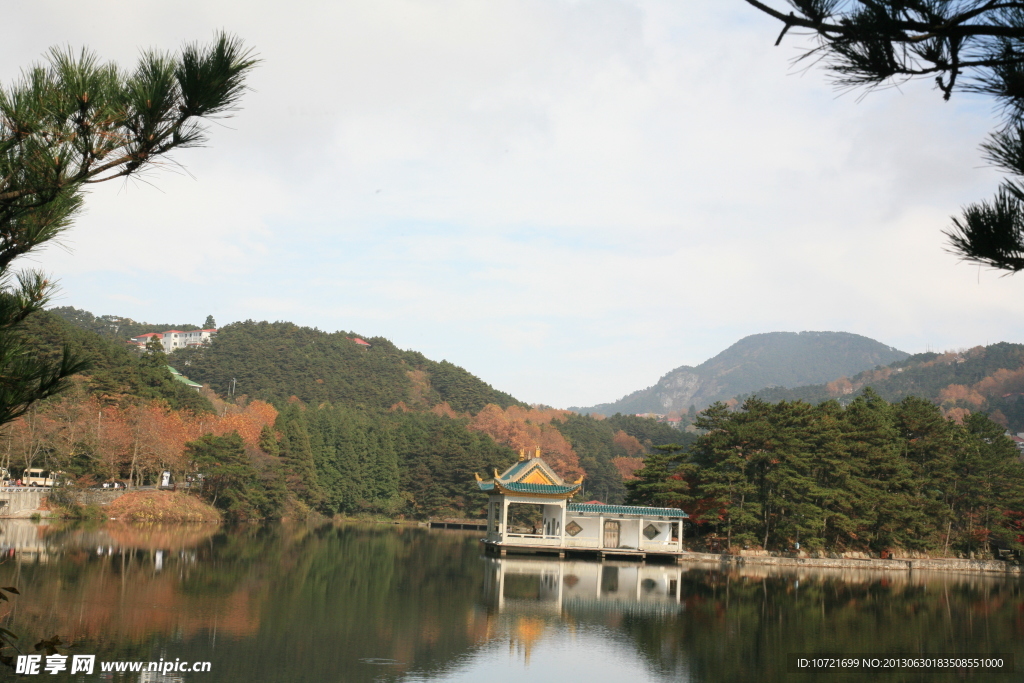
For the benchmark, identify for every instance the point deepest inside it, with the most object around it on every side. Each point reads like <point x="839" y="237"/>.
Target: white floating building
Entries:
<point x="551" y="523"/>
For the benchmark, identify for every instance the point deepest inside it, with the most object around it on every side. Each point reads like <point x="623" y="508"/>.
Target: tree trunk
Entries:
<point x="135" y="457"/>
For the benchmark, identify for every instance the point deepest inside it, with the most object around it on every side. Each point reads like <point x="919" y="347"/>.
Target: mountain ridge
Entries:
<point x="755" y="362"/>
<point x="987" y="379"/>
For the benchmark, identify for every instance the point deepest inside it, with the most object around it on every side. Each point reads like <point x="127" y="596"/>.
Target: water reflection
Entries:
<point x="24" y="536"/>
<point x="714" y="623"/>
<point x="383" y="603"/>
<point x="40" y="541"/>
<point x="567" y="587"/>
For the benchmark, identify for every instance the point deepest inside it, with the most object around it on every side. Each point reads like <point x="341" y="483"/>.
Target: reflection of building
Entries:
<point x="527" y="598"/>
<point x="558" y="587"/>
<point x="562" y="526"/>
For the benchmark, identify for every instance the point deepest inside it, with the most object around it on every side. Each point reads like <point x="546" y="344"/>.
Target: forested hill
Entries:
<point x="113" y="326"/>
<point x="987" y="379"/>
<point x="274" y="361"/>
<point x="785" y="359"/>
<point x="339" y="423"/>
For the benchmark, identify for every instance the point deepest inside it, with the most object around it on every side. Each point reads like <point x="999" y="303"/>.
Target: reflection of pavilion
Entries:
<point x="537" y="586"/>
<point x="531" y="598"/>
<point x="561" y="526"/>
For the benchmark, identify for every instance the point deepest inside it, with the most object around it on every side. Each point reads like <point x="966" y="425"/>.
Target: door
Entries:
<point x="611" y="534"/>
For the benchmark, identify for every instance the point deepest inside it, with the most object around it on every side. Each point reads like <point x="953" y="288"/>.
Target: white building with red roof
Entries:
<point x="173" y="340"/>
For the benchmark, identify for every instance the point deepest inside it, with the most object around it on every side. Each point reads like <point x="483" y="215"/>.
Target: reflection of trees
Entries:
<point x="740" y="626"/>
<point x="367" y="593"/>
<point x="107" y="580"/>
<point x="366" y="603"/>
<point x="260" y="599"/>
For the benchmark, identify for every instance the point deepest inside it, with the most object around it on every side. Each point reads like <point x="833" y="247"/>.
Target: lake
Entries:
<point x="395" y="603"/>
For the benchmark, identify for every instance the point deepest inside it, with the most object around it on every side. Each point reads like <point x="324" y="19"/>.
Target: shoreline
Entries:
<point x="901" y="565"/>
<point x="946" y="564"/>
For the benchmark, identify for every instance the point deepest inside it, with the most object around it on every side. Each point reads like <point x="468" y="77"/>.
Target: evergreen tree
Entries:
<point x="806" y="442"/>
<point x="382" y="472"/>
<point x="154" y="380"/>
<point x="649" y="431"/>
<point x="297" y="457"/>
<point x="871" y="476"/>
<point x="210" y="323"/>
<point x="75" y="121"/>
<point x="724" y="475"/>
<point x="662" y="481"/>
<point x="987" y="488"/>
<point x="973" y="45"/>
<point x="828" y="481"/>
<point x="871" y="479"/>
<point x="463" y="391"/>
<point x="268" y="441"/>
<point x="341" y="451"/>
<point x="437" y="459"/>
<point x="116" y="373"/>
<point x="928" y="448"/>
<point x="231" y="482"/>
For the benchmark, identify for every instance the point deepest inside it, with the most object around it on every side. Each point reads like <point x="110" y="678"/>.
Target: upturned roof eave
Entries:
<point x="537" y="490"/>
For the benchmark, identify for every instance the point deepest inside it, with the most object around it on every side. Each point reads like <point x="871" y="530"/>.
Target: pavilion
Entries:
<point x="564" y="526"/>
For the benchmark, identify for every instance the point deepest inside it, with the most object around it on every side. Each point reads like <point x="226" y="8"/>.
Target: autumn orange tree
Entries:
<point x="527" y="429"/>
<point x="134" y="440"/>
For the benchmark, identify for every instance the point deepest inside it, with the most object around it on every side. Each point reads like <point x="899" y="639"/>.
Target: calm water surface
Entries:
<point x="383" y="603"/>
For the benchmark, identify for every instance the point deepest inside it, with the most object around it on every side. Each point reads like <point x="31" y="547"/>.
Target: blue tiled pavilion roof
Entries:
<point x="626" y="510"/>
<point x="515" y="469"/>
<point x="517" y="487"/>
<point x="530" y="476"/>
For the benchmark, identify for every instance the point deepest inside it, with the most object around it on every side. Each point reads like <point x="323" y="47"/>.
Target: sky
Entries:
<point x="568" y="198"/>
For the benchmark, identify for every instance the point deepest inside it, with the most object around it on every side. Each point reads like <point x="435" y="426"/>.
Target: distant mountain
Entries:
<point x="772" y="359"/>
<point x="988" y="379"/>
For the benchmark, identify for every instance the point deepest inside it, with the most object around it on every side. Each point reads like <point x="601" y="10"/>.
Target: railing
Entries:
<point x="535" y="539"/>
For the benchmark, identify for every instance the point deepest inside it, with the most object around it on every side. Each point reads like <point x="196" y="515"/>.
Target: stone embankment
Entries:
<point x="97" y="496"/>
<point x="22" y="501"/>
<point x="27" y="501"/>
<point x="929" y="564"/>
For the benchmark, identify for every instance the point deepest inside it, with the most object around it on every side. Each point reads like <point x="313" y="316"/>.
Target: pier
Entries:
<point x="472" y="525"/>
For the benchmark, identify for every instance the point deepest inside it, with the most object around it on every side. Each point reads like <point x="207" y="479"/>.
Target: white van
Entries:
<point x="35" y="476"/>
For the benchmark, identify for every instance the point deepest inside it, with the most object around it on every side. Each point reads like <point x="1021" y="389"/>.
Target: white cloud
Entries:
<point x="567" y="198"/>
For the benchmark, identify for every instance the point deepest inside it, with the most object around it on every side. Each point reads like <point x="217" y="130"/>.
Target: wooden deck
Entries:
<point x="473" y="526"/>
